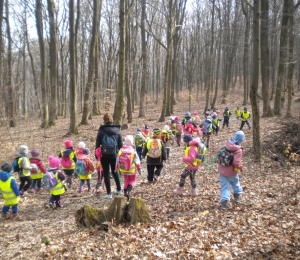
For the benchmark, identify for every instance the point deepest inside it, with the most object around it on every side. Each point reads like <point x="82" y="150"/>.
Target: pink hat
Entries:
<point x="53" y="162"/>
<point x="195" y="113"/>
<point x="68" y="144"/>
<point x="176" y="118"/>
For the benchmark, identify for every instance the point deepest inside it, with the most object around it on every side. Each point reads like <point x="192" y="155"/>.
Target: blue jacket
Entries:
<point x="4" y="176"/>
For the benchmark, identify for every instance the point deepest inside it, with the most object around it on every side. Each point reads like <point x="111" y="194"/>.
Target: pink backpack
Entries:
<point x="126" y="158"/>
<point x="66" y="162"/>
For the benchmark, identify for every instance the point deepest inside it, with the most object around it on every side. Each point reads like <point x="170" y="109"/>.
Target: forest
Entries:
<point x="64" y="64"/>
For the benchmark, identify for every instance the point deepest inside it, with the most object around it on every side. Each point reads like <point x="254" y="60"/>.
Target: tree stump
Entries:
<point x="134" y="211"/>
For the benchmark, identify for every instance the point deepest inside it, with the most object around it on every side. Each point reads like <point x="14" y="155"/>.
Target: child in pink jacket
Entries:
<point x="192" y="164"/>
<point x="229" y="174"/>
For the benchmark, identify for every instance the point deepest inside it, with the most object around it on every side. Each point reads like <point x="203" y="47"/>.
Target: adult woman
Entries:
<point x="109" y="135"/>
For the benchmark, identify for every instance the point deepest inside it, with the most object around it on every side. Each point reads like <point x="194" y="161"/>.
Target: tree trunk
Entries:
<point x="73" y="129"/>
<point x="9" y="79"/>
<point x="43" y="80"/>
<point x="255" y="80"/>
<point x="1" y="57"/>
<point x="134" y="212"/>
<point x="53" y="53"/>
<point x="282" y="57"/>
<point x="91" y="70"/>
<point x="120" y="91"/>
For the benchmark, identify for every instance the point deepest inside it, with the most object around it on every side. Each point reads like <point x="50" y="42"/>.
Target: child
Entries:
<point x="191" y="129"/>
<point x="245" y="116"/>
<point x="128" y="163"/>
<point x="228" y="174"/>
<point x="81" y="146"/>
<point x="196" y="119"/>
<point x="207" y="128"/>
<point x="36" y="174"/>
<point x="10" y="192"/>
<point x="226" y="115"/>
<point x="68" y="160"/>
<point x="216" y="110"/>
<point x="156" y="154"/>
<point x="177" y="130"/>
<point x="98" y="153"/>
<point x="167" y="138"/>
<point x="238" y="113"/>
<point x="59" y="188"/>
<point x="146" y="132"/>
<point x="139" y="141"/>
<point x="88" y="170"/>
<point x="215" y="121"/>
<point x="25" y="167"/>
<point x="191" y="165"/>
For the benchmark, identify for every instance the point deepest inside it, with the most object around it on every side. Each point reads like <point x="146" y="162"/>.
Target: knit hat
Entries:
<point x="187" y="114"/>
<point x="35" y="153"/>
<point x="23" y="149"/>
<point x="226" y="108"/>
<point x="138" y="130"/>
<point x="214" y="114"/>
<point x="146" y="127"/>
<point x="81" y="145"/>
<point x="176" y="118"/>
<point x="245" y="108"/>
<point x="86" y="151"/>
<point x="53" y="162"/>
<point x="128" y="140"/>
<point x="6" y="168"/>
<point x="187" y="138"/>
<point x="208" y="118"/>
<point x="68" y="144"/>
<point x="195" y="113"/>
<point x="239" y="136"/>
<point x="166" y="128"/>
<point x="156" y="131"/>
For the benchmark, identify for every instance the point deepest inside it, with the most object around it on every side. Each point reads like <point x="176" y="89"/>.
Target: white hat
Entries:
<point x="81" y="145"/>
<point x="129" y="140"/>
<point x="166" y="128"/>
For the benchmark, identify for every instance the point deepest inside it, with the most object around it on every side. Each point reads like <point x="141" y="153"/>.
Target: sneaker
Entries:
<point x="81" y="190"/>
<point x="17" y="216"/>
<point x="225" y="205"/>
<point x="108" y="196"/>
<point x="237" y="197"/>
<point x="40" y="189"/>
<point x="118" y="192"/>
<point x="178" y="190"/>
<point x="155" y="177"/>
<point x="51" y="206"/>
<point x="97" y="191"/>
<point x="31" y="190"/>
<point x="149" y="182"/>
<point x="5" y="216"/>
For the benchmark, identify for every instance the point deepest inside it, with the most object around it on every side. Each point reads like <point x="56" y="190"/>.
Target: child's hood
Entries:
<point x="4" y="176"/>
<point x="127" y="147"/>
<point x="232" y="146"/>
<point x="195" y="142"/>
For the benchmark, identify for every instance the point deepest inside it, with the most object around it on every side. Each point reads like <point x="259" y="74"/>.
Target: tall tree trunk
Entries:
<point x="96" y="96"/>
<point x="282" y="57"/>
<point x="53" y="63"/>
<point x="43" y="83"/>
<point x="91" y="70"/>
<point x="9" y="79"/>
<point x="255" y="80"/>
<point x="73" y="129"/>
<point x="265" y="58"/>
<point x="1" y="57"/>
<point x="120" y="91"/>
<point x="144" y="77"/>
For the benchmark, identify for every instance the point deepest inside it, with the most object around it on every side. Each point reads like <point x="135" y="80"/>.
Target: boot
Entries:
<point x="128" y="190"/>
<point x="5" y="216"/>
<point x="237" y="197"/>
<point x="17" y="216"/>
<point x="225" y="205"/>
<point x="80" y="189"/>
<point x="31" y="190"/>
<point x="194" y="192"/>
<point x="89" y="188"/>
<point x="178" y="190"/>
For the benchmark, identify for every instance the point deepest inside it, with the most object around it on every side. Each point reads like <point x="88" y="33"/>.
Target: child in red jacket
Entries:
<point x="36" y="173"/>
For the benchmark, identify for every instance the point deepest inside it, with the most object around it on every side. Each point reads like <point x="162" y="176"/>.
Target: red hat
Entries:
<point x="68" y="144"/>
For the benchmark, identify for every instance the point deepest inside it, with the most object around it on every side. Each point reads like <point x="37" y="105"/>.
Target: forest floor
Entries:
<point x="266" y="225"/>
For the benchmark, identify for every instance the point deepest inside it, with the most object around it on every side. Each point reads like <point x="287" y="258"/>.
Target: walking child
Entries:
<point x="10" y="192"/>
<point x="36" y="173"/>
<point x="215" y="121"/>
<point x="228" y="173"/>
<point x="167" y="137"/>
<point x="177" y="129"/>
<point x="226" y="115"/>
<point x="59" y="189"/>
<point x="68" y="160"/>
<point x="146" y="132"/>
<point x="84" y="168"/>
<point x="139" y="141"/>
<point x="128" y="163"/>
<point x="156" y="154"/>
<point x="245" y="116"/>
<point x="192" y="164"/>
<point x="238" y="113"/>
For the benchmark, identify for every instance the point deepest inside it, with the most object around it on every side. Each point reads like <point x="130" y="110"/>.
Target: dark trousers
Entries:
<point x="243" y="123"/>
<point x="188" y="172"/>
<point x="139" y="150"/>
<point x="106" y="162"/>
<point x="56" y="199"/>
<point x="69" y="174"/>
<point x="225" y="122"/>
<point x="25" y="183"/>
<point x="37" y="182"/>
<point x="153" y="169"/>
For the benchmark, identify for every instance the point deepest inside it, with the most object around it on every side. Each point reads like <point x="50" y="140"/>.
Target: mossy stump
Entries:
<point x="134" y="211"/>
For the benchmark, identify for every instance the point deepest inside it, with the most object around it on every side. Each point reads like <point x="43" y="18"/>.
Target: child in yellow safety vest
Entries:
<point x="128" y="163"/>
<point x="59" y="189"/>
<point x="10" y="192"/>
<point x="84" y="168"/>
<point x="37" y="173"/>
<point x="238" y="113"/>
<point x="245" y="116"/>
<point x="167" y="137"/>
<point x="192" y="164"/>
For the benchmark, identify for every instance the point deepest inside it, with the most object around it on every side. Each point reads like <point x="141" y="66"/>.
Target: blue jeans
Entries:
<point x="88" y="182"/>
<point x="243" y="123"/>
<point x="225" y="186"/>
<point x="14" y="208"/>
<point x="38" y="182"/>
<point x="139" y="150"/>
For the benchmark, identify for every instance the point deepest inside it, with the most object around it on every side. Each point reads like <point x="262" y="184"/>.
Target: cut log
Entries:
<point x="134" y="211"/>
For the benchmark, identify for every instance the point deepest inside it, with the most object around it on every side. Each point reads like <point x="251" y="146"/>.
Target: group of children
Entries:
<point x="153" y="145"/>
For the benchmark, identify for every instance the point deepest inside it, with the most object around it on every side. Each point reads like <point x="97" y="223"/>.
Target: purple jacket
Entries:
<point x="237" y="159"/>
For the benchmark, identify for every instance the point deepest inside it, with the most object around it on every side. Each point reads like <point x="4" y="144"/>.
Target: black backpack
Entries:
<point x="109" y="144"/>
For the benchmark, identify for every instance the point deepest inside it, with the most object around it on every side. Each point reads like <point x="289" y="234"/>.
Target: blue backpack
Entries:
<point x="109" y="144"/>
<point x="207" y="127"/>
<point x="15" y="165"/>
<point x="81" y="167"/>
